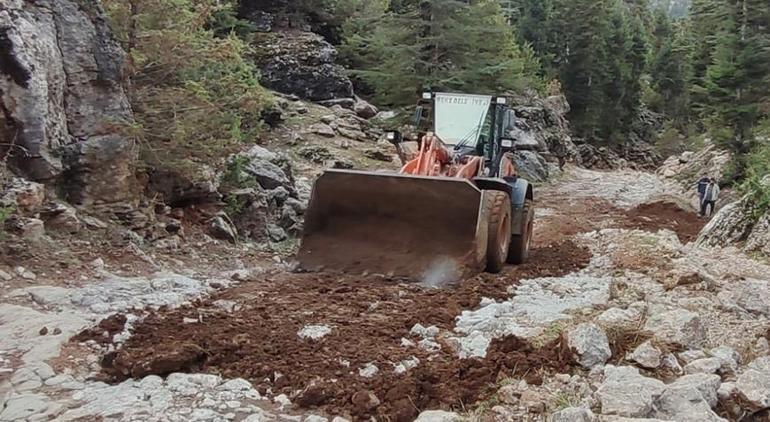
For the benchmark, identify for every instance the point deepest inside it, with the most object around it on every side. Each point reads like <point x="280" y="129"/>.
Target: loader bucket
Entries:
<point x="423" y="228"/>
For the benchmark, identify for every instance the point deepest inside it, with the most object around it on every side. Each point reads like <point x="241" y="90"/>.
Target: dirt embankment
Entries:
<point x="368" y="317"/>
<point x="665" y="215"/>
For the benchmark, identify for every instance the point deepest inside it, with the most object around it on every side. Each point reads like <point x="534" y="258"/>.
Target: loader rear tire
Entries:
<point x="519" y="249"/>
<point x="499" y="234"/>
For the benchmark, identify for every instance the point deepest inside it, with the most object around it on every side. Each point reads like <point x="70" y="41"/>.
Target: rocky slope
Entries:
<point x="62" y="100"/>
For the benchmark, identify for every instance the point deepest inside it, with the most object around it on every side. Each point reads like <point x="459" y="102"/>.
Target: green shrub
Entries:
<point x="757" y="165"/>
<point x="194" y="95"/>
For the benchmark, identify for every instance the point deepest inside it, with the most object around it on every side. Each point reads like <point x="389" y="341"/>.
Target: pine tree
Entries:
<point x="439" y="45"/>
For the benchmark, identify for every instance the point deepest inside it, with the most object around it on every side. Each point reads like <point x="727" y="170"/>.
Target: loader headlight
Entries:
<point x="427" y="95"/>
<point x="501" y="100"/>
<point x="507" y="143"/>
<point x="393" y="136"/>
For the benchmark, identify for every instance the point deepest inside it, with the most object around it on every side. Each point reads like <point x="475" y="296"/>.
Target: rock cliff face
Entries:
<point x="62" y="101"/>
<point x="542" y="134"/>
<point x="740" y="223"/>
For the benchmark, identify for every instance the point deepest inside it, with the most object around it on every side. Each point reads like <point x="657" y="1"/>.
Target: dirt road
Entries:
<point x="360" y="363"/>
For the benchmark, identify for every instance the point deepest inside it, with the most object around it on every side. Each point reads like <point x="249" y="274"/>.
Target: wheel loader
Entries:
<point x="456" y="206"/>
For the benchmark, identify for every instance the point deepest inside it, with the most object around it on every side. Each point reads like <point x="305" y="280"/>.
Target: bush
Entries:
<point x="195" y="96"/>
<point x="757" y="165"/>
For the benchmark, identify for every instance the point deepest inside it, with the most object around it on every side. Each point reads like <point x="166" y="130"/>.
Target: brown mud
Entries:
<point x="665" y="215"/>
<point x="369" y="316"/>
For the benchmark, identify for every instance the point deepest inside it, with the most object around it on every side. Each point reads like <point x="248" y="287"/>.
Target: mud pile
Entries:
<point x="368" y="317"/>
<point x="665" y="215"/>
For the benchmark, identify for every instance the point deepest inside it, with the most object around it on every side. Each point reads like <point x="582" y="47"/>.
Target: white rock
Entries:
<point x="406" y="365"/>
<point x="282" y="400"/>
<point x="589" y="344"/>
<point x="679" y="326"/>
<point x="438" y="416"/>
<point x="646" y="355"/>
<point x="728" y="357"/>
<point x="5" y="276"/>
<point x="236" y="385"/>
<point x="573" y="414"/>
<point x="616" y="318"/>
<point x="706" y="384"/>
<point x="726" y="391"/>
<point x="339" y="419"/>
<point x="753" y="384"/>
<point x="314" y="332"/>
<point x="21" y="407"/>
<point x="429" y="345"/>
<point x="684" y="404"/>
<point x="407" y="343"/>
<point x="752" y="295"/>
<point x="369" y="370"/>
<point x="691" y="355"/>
<point x="670" y="362"/>
<point x="315" y="418"/>
<point x="625" y="392"/>
<point x="424" y="332"/>
<point x="706" y="366"/>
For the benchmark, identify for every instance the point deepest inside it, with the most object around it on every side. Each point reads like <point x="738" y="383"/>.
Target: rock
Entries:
<point x="25" y="273"/>
<point x="43" y="331"/>
<point x="364" y="110"/>
<point x="706" y="384"/>
<point x="60" y="217"/>
<point x="323" y="129"/>
<point x="533" y="401"/>
<point x="314" y="332"/>
<point x="726" y="391"/>
<point x="365" y="401"/>
<point x="378" y="155"/>
<point x="22" y="406"/>
<point x="692" y="355"/>
<point x="25" y="196"/>
<point x="625" y="392"/>
<point x="589" y="344"/>
<point x="276" y="233"/>
<point x="191" y="183"/>
<point x="222" y="228"/>
<point x="573" y="414"/>
<point x="4" y="276"/>
<point x="424" y="332"/>
<point x="727" y="356"/>
<point x="340" y="164"/>
<point x="705" y="366"/>
<point x="368" y="371"/>
<point x="170" y="243"/>
<point x="617" y="318"/>
<point x="679" y="327"/>
<point x="753" y="384"/>
<point x="686" y="404"/>
<point x="752" y="295"/>
<point x="31" y="229"/>
<point x="63" y="85"/>
<point x="302" y="63"/>
<point x="438" y="416"/>
<point x="646" y="355"/>
<point x="531" y="165"/>
<point x="316" y="153"/>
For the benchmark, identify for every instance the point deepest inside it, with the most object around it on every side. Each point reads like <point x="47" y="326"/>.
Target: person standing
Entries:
<point x="710" y="198"/>
<point x="703" y="183"/>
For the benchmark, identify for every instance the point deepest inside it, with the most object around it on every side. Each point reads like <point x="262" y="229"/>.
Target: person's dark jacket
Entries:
<point x="702" y="185"/>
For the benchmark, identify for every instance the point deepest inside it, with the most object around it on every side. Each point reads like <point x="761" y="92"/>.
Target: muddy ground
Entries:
<point x="251" y="331"/>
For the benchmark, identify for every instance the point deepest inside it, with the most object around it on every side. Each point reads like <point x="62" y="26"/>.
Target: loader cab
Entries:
<point x="476" y="125"/>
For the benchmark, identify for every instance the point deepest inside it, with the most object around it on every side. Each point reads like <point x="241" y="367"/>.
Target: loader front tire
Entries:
<point x="499" y="234"/>
<point x="520" y="243"/>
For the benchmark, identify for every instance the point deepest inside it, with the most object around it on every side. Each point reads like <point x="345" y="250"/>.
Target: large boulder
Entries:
<point x="740" y="221"/>
<point x="679" y="326"/>
<point x="303" y="64"/>
<point x="753" y="385"/>
<point x="625" y="392"/>
<point x="61" y="93"/>
<point x="589" y="345"/>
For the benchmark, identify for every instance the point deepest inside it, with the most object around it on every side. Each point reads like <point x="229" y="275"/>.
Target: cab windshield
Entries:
<point x="460" y="118"/>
